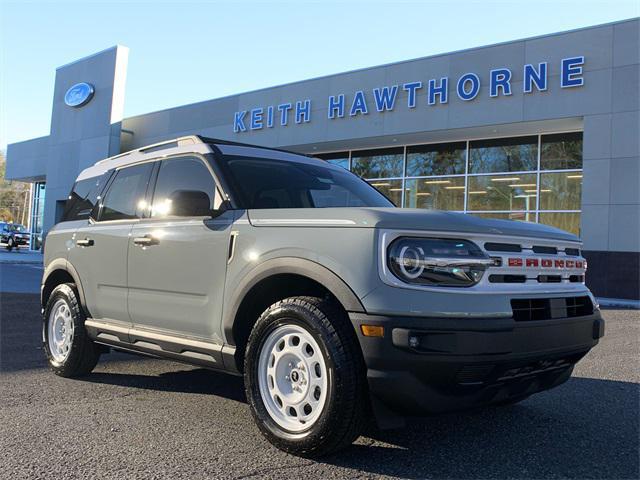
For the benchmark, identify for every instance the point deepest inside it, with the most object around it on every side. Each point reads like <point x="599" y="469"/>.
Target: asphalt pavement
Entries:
<point x="137" y="417"/>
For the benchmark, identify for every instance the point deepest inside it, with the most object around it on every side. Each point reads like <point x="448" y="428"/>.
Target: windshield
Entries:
<point x="270" y="183"/>
<point x="17" y="228"/>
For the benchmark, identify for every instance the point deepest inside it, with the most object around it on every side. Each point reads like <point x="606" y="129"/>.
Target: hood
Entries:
<point x="402" y="219"/>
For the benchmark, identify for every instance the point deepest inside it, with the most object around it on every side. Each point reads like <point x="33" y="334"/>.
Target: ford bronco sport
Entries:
<point x="298" y="275"/>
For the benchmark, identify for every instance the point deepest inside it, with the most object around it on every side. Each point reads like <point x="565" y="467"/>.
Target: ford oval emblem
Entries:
<point x="79" y="94"/>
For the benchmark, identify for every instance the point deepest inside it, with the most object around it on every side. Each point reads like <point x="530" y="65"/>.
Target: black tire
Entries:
<point x="345" y="410"/>
<point x="10" y="244"/>
<point x="84" y="353"/>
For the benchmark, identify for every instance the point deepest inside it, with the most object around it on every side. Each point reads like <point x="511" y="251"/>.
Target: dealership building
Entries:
<point x="544" y="129"/>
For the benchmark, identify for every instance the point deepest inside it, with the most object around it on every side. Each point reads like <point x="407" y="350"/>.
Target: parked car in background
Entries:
<point x="13" y="235"/>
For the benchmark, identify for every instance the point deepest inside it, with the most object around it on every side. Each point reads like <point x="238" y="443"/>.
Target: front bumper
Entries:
<point x="432" y="365"/>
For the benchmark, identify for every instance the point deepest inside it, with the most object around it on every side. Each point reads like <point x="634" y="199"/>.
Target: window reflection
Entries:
<point x="521" y="216"/>
<point x="436" y="159"/>
<point x="392" y="189"/>
<point x="441" y="193"/>
<point x="561" y="151"/>
<point x="560" y="191"/>
<point x="503" y="155"/>
<point x="382" y="163"/>
<point x="569" y="222"/>
<point x="502" y="192"/>
<point x="496" y="185"/>
<point x="340" y="159"/>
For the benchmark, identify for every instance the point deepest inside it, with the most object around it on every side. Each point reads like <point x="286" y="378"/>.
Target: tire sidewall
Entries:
<point x="289" y="315"/>
<point x="68" y="295"/>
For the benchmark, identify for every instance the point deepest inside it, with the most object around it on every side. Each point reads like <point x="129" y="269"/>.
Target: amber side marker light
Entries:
<point x="372" y="330"/>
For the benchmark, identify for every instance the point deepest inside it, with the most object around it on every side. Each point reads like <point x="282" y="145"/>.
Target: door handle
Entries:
<point x="146" y="241"/>
<point x="85" y="242"/>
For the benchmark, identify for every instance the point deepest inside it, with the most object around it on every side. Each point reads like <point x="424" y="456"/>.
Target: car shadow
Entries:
<point x="198" y="380"/>
<point x="561" y="433"/>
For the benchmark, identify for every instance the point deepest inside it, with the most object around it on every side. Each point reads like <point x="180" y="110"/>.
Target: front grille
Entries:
<point x="545" y="250"/>
<point x="531" y="309"/>
<point x="549" y="279"/>
<point x="502" y="247"/>
<point x="507" y="278"/>
<point x="572" y="251"/>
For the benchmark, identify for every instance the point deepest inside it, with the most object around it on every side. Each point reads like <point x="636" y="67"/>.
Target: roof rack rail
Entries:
<point x="175" y="142"/>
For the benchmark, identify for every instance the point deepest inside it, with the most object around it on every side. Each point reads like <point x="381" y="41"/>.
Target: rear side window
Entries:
<point x="126" y="194"/>
<point x="185" y="188"/>
<point x="83" y="198"/>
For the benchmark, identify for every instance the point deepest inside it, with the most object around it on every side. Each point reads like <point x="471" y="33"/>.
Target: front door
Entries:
<point x="178" y="255"/>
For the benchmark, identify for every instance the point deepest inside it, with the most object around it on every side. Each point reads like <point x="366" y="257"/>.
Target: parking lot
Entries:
<point x="136" y="417"/>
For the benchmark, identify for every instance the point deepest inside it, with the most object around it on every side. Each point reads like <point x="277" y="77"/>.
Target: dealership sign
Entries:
<point x="433" y="92"/>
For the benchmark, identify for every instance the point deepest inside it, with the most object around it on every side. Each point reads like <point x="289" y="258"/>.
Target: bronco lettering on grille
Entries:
<point x="546" y="263"/>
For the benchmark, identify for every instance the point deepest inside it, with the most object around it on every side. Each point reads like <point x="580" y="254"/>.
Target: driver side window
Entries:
<point x="184" y="188"/>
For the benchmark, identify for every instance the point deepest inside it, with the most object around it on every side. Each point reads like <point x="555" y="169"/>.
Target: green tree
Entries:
<point x="14" y="197"/>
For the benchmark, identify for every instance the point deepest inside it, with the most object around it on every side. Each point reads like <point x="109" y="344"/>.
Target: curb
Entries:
<point x="619" y="303"/>
<point x="20" y="262"/>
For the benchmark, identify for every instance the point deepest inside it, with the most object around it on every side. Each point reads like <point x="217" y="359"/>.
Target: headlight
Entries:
<point x="437" y="261"/>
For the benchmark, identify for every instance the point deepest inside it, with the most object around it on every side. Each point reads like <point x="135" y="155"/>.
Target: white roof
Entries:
<point x="190" y="144"/>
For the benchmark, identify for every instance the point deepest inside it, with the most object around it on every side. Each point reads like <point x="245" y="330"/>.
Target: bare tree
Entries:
<point x="14" y="197"/>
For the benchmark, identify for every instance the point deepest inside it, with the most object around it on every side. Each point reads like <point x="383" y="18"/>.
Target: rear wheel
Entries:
<point x="10" y="244"/>
<point x="69" y="349"/>
<point x="304" y="377"/>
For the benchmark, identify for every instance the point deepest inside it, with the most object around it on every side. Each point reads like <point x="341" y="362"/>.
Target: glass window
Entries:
<point x="383" y="163"/>
<point x="392" y="189"/>
<point x="436" y="159"/>
<point x="340" y="159"/>
<point x="502" y="192"/>
<point x="440" y="193"/>
<point x="522" y="216"/>
<point x="503" y="155"/>
<point x="126" y="192"/>
<point x="561" y="151"/>
<point x="569" y="222"/>
<point x="185" y="188"/>
<point x="560" y="191"/>
<point x="272" y="183"/>
<point x="83" y="198"/>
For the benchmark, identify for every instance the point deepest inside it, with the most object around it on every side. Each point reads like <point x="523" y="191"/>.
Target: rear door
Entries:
<point x="99" y="250"/>
<point x="178" y="254"/>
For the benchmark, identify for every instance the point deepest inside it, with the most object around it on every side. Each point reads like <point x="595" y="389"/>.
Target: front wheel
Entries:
<point x="10" y="244"/>
<point x="69" y="349"/>
<point x="305" y="378"/>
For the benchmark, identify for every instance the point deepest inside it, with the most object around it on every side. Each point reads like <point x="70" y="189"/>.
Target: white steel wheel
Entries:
<point x="60" y="331"/>
<point x="292" y="378"/>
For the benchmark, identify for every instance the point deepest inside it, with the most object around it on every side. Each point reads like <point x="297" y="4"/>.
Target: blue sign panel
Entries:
<point x="78" y="95"/>
<point x="434" y="92"/>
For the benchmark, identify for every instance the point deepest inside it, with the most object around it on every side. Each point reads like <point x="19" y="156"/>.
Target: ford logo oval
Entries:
<point x="79" y="94"/>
